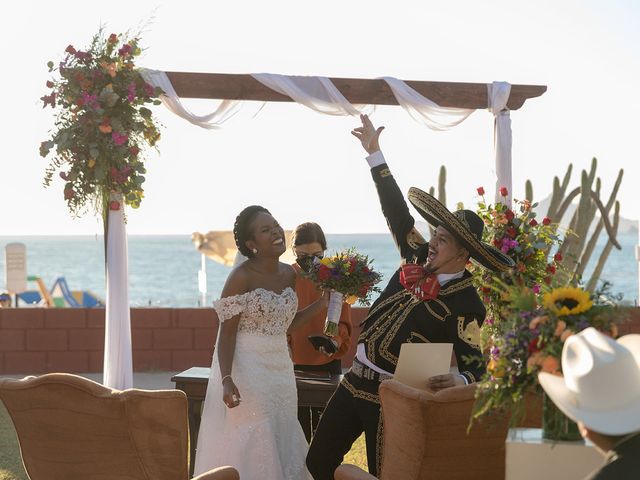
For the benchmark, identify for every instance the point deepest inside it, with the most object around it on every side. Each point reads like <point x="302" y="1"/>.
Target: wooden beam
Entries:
<point x="356" y="90"/>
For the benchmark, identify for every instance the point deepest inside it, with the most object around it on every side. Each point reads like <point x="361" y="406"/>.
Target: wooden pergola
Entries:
<point x="228" y="86"/>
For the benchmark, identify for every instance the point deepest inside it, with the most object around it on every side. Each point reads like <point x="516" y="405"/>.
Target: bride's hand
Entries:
<point x="230" y="393"/>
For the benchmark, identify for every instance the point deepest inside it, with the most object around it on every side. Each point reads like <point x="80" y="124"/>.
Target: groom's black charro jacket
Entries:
<point x="398" y="317"/>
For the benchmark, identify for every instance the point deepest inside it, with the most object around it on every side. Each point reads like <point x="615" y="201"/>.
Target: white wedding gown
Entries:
<point x="261" y="437"/>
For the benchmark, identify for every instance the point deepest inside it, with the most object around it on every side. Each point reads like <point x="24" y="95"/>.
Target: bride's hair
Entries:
<point x="241" y="231"/>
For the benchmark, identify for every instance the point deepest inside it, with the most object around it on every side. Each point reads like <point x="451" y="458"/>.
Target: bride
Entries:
<point x="250" y="418"/>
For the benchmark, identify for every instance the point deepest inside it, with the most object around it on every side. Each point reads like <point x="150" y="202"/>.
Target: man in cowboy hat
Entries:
<point x="600" y="390"/>
<point x="430" y="298"/>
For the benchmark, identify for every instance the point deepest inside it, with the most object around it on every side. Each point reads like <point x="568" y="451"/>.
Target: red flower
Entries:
<point x="134" y="150"/>
<point x="547" y="280"/>
<point x="324" y="273"/>
<point x="70" y="50"/>
<point x="50" y="84"/>
<point x="503" y="191"/>
<point x="125" y="50"/>
<point x="352" y="265"/>
<point x="551" y="269"/>
<point x="512" y="232"/>
<point x="486" y="289"/>
<point x="480" y="190"/>
<point x="533" y="222"/>
<point x="49" y="100"/>
<point x="546" y="221"/>
<point x="535" y="345"/>
<point x="68" y="193"/>
<point x="114" y="205"/>
<point x="509" y="215"/>
<point x="557" y="257"/>
<point x="113" y="38"/>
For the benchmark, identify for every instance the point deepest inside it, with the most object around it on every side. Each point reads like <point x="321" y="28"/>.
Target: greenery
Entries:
<point x="102" y="125"/>
<point x="529" y="339"/>
<point x="517" y="233"/>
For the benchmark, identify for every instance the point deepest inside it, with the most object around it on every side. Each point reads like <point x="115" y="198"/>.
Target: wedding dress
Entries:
<point x="261" y="437"/>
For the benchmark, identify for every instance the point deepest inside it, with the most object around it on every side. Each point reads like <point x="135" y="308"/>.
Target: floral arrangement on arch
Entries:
<point x="529" y="339"/>
<point x="103" y="124"/>
<point x="516" y="232"/>
<point x="350" y="278"/>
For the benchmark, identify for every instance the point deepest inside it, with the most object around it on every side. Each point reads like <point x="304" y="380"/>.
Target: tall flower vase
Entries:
<point x="556" y="425"/>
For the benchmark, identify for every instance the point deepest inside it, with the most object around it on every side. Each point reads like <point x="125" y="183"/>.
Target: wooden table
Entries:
<point x="193" y="382"/>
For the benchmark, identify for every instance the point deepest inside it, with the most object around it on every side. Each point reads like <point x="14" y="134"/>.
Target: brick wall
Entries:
<point x="34" y="340"/>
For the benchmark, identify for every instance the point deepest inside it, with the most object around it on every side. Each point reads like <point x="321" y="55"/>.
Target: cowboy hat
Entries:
<point x="601" y="383"/>
<point x="466" y="226"/>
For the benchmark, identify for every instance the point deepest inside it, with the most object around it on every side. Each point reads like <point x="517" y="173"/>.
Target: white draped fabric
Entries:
<point x="118" y="366"/>
<point x="170" y="99"/>
<point x="316" y="93"/>
<point x="498" y="93"/>
<point x="424" y="110"/>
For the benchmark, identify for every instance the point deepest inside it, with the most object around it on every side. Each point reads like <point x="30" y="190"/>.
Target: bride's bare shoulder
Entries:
<point x="237" y="282"/>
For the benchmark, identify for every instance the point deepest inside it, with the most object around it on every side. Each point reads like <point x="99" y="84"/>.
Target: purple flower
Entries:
<point x="495" y="351"/>
<point x="91" y="100"/>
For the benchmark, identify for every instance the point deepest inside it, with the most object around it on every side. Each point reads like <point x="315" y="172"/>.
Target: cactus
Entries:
<point x="593" y="281"/>
<point x="586" y="255"/>
<point x="442" y="181"/>
<point x="528" y="189"/>
<point x="559" y="191"/>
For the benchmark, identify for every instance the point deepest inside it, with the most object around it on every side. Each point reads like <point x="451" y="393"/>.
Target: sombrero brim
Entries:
<point x="436" y="214"/>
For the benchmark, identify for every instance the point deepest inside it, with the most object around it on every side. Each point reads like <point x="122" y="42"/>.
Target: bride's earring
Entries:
<point x="255" y="250"/>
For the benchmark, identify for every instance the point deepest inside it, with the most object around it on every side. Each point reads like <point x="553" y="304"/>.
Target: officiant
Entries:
<point x="430" y="298"/>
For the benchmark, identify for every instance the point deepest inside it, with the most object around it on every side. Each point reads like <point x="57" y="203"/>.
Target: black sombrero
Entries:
<point x="465" y="225"/>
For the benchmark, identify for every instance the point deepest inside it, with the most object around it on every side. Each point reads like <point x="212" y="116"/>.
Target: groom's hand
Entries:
<point x="440" y="382"/>
<point x="368" y="135"/>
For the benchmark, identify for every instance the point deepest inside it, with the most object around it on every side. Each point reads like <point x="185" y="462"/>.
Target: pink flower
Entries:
<point x="114" y="205"/>
<point x="119" y="138"/>
<point x="148" y="90"/>
<point x="91" y="100"/>
<point x="480" y="190"/>
<point x="536" y="289"/>
<point x="503" y="191"/>
<point x="131" y="92"/>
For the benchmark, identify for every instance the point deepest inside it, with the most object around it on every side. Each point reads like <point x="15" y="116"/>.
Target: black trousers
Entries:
<point x="354" y="408"/>
<point x="309" y="417"/>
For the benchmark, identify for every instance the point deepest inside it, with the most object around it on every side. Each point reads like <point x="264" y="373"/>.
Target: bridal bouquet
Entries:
<point x="103" y="124"/>
<point x="349" y="277"/>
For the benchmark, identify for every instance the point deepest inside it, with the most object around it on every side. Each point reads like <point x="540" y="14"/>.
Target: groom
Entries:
<point x="431" y="298"/>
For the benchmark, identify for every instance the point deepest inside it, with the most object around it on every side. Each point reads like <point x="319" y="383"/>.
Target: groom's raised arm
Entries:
<point x="394" y="206"/>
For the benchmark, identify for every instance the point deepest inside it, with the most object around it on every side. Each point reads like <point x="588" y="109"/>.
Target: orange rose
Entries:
<point x="105" y="128"/>
<point x="538" y="321"/>
<point x="560" y="327"/>
<point x="566" y="334"/>
<point x="551" y="365"/>
<point x="534" y="360"/>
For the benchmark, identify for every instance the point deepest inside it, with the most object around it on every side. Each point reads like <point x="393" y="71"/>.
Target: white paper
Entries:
<point x="420" y="361"/>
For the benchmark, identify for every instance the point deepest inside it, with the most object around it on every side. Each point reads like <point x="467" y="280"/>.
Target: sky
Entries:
<point x="304" y="166"/>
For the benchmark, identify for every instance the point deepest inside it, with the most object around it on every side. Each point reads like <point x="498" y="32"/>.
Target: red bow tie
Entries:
<point x="419" y="281"/>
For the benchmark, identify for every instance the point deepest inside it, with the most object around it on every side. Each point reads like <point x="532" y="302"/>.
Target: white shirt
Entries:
<point x="374" y="160"/>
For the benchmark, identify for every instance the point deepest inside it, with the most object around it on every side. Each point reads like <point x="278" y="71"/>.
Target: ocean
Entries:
<point x="163" y="270"/>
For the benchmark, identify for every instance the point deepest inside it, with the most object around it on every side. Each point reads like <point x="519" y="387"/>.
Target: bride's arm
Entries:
<point x="306" y="314"/>
<point x="231" y="303"/>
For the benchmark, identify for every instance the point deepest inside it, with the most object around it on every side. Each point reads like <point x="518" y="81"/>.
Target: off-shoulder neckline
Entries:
<point x="261" y="289"/>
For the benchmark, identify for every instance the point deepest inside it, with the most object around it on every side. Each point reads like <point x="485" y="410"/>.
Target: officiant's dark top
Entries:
<point x="398" y="317"/>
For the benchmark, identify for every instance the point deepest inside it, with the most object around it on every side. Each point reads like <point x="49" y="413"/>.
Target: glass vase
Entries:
<point x="556" y="425"/>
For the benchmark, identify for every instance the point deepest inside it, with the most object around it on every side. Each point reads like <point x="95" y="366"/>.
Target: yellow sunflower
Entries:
<point x="567" y="301"/>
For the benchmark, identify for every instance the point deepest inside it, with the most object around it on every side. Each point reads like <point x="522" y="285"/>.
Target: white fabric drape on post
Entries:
<point x="423" y="110"/>
<point x="118" y="365"/>
<point x="316" y="93"/>
<point x="498" y="93"/>
<point x="170" y="99"/>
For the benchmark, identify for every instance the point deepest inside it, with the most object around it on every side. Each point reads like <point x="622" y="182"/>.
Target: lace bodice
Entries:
<point x="261" y="311"/>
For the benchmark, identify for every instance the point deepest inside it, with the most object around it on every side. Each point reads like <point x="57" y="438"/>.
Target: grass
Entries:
<point x="11" y="463"/>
